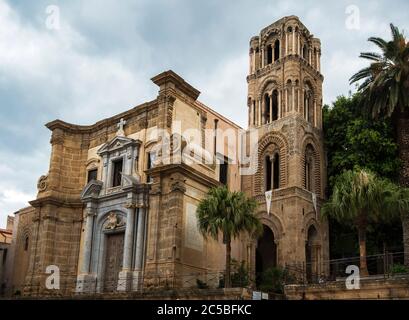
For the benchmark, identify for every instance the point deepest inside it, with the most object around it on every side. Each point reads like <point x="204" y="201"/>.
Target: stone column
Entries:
<point x="262" y="57"/>
<point x="86" y="281"/>
<point x="259" y="112"/>
<point x="254" y="61"/>
<point x="298" y="44"/>
<point x="286" y="43"/>
<point x="279" y="104"/>
<point x="271" y="108"/>
<point x="309" y="56"/>
<point x="250" y="113"/>
<point x="286" y="100"/>
<point x="315" y="113"/>
<point x="86" y="255"/>
<point x="125" y="276"/>
<point x="140" y="241"/>
<point x="293" y="97"/>
<point x="293" y="49"/>
<point x="129" y="236"/>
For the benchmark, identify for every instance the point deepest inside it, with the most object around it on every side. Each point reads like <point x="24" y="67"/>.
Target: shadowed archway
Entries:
<point x="266" y="252"/>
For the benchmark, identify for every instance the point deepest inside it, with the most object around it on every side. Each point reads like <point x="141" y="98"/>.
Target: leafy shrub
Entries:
<point x="273" y="280"/>
<point x="398" y="268"/>
<point x="239" y="275"/>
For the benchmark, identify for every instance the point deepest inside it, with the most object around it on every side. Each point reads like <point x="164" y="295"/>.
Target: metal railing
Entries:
<point x="273" y="280"/>
<point x="384" y="265"/>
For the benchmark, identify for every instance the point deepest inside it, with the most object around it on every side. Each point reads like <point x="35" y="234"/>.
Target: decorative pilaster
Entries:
<point x="90" y="213"/>
<point x="129" y="235"/>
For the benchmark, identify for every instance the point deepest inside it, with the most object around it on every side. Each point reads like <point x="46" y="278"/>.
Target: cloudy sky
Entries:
<point x="97" y="61"/>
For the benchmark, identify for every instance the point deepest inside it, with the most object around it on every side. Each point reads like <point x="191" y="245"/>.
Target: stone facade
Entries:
<point x="117" y="210"/>
<point x="284" y="107"/>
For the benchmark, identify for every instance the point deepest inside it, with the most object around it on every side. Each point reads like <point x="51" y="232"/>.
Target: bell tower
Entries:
<point x="284" y="107"/>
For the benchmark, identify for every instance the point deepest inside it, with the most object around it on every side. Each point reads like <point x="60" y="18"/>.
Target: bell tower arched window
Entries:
<point x="275" y="105"/>
<point x="276" y="171"/>
<point x="276" y="50"/>
<point x="266" y="108"/>
<point x="272" y="172"/>
<point x="305" y="52"/>
<point x="269" y="54"/>
<point x="308" y="105"/>
<point x="309" y="168"/>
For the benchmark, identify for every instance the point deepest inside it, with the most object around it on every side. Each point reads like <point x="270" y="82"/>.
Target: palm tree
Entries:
<point x="228" y="213"/>
<point x="361" y="198"/>
<point x="385" y="93"/>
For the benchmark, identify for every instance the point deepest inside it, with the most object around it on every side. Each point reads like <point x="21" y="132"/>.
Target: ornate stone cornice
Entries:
<point x="100" y="125"/>
<point x="171" y="77"/>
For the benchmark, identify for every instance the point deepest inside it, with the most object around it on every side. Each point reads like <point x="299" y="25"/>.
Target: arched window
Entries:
<point x="266" y="108"/>
<point x="309" y="168"/>
<point x="268" y="170"/>
<point x="289" y="93"/>
<point x="305" y="52"/>
<point x="313" y="59"/>
<point x="269" y="54"/>
<point x="276" y="171"/>
<point x="272" y="172"/>
<point x="308" y="105"/>
<point x="275" y="105"/>
<point x="26" y="243"/>
<point x="276" y="50"/>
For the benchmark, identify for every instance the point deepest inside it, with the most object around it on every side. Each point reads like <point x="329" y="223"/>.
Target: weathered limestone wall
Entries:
<point x="392" y="288"/>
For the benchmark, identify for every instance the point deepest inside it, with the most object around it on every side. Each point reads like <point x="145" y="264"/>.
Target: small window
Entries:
<point x="26" y="243"/>
<point x="92" y="175"/>
<point x="117" y="170"/>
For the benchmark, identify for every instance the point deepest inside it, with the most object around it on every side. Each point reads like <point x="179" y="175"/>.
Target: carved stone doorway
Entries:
<point x="113" y="260"/>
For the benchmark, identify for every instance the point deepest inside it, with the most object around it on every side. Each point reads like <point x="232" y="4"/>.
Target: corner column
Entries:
<point x="86" y="281"/>
<point x="125" y="276"/>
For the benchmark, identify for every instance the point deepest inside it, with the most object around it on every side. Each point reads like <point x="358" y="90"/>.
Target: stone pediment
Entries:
<point x="118" y="143"/>
<point x="91" y="190"/>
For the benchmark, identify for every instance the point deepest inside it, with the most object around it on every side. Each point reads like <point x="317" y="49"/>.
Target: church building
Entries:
<point x="117" y="209"/>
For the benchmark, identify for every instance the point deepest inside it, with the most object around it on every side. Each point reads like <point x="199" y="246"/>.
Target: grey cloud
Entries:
<point x="101" y="60"/>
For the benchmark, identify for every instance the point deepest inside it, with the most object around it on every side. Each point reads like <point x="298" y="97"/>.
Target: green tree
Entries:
<point x="230" y="214"/>
<point x="385" y="93"/>
<point x="353" y="141"/>
<point x="361" y="198"/>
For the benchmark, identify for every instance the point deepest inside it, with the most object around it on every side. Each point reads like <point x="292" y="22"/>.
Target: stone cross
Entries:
<point x="120" y="126"/>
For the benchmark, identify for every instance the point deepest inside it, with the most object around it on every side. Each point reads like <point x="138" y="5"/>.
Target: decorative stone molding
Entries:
<point x="113" y="221"/>
<point x="42" y="183"/>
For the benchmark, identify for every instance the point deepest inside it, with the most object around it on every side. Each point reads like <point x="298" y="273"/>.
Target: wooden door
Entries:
<point x="113" y="260"/>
